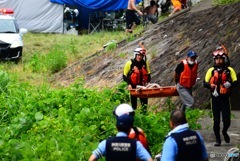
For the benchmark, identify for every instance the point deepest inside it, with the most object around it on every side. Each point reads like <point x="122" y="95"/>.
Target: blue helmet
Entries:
<point x="191" y="54"/>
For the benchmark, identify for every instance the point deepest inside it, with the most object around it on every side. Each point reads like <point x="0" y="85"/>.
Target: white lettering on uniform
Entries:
<point x="190" y="140"/>
<point x="120" y="146"/>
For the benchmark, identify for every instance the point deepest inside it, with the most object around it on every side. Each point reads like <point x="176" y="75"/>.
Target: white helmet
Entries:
<point x="139" y="50"/>
<point x="123" y="109"/>
<point x="76" y="12"/>
<point x="67" y="9"/>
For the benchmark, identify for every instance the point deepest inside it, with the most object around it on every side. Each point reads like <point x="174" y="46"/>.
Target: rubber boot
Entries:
<point x="218" y="140"/>
<point x="226" y="137"/>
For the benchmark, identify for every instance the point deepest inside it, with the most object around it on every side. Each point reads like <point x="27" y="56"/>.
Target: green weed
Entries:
<point x="111" y="46"/>
<point x="55" y="60"/>
<point x="223" y="2"/>
<point x="4" y="80"/>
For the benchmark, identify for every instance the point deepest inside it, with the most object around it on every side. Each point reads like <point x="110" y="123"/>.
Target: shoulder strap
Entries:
<point x="145" y="62"/>
<point x="136" y="132"/>
<point x="131" y="67"/>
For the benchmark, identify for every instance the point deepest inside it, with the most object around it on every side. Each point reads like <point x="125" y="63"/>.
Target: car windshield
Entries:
<point x="7" y="26"/>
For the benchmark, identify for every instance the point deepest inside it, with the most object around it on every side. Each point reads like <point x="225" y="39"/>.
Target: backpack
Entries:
<point x="137" y="135"/>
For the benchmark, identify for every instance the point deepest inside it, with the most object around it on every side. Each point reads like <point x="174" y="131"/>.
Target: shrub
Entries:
<point x="55" y="60"/>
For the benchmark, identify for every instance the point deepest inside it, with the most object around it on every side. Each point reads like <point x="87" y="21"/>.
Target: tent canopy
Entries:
<point x="89" y="6"/>
<point x="36" y="15"/>
<point x="100" y="5"/>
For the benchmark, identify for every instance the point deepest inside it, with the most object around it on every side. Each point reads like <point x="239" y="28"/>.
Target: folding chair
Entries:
<point x="94" y="23"/>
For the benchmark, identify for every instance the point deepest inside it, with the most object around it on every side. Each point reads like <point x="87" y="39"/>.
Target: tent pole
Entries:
<point x="143" y="16"/>
<point x="63" y="19"/>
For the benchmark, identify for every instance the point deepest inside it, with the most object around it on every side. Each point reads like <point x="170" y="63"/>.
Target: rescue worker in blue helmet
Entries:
<point x="121" y="148"/>
<point x="137" y="72"/>
<point x="185" y="76"/>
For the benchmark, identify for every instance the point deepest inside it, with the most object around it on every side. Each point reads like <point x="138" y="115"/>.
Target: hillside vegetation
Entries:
<point x="57" y="103"/>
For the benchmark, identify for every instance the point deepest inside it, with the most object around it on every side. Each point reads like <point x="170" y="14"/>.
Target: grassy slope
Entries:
<point x="37" y="46"/>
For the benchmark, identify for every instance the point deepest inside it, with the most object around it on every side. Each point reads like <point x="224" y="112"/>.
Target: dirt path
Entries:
<point x="218" y="153"/>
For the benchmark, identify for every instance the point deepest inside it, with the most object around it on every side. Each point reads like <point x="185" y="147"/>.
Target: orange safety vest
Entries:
<point x="218" y="78"/>
<point x="138" y="76"/>
<point x="189" y="75"/>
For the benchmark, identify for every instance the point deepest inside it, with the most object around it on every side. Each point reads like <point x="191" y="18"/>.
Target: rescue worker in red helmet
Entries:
<point x="220" y="79"/>
<point x="136" y="132"/>
<point x="185" y="76"/>
<point x="137" y="72"/>
<point x="221" y="47"/>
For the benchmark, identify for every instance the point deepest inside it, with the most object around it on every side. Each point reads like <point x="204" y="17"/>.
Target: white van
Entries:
<point x="11" y="43"/>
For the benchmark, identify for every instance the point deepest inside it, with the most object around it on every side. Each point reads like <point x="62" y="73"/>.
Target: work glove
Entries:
<point x="227" y="84"/>
<point x="215" y="93"/>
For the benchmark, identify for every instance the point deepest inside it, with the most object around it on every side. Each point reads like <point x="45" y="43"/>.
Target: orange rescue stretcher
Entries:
<point x="166" y="91"/>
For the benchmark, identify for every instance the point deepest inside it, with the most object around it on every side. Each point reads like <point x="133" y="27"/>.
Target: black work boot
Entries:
<point x="218" y="140"/>
<point x="226" y="137"/>
<point x="218" y="143"/>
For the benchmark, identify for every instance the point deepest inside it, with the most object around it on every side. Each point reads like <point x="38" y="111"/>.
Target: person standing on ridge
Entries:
<point x="131" y="18"/>
<point x="185" y="76"/>
<point x="220" y="79"/>
<point x="137" y="72"/>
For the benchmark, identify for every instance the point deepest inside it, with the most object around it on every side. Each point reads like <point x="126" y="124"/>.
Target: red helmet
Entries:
<point x="219" y="53"/>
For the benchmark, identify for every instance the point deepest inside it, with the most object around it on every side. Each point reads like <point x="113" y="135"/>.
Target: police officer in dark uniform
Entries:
<point x="183" y="143"/>
<point x="121" y="148"/>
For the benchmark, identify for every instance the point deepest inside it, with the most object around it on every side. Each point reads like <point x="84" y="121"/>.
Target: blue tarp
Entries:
<point x="100" y="5"/>
<point x="88" y="6"/>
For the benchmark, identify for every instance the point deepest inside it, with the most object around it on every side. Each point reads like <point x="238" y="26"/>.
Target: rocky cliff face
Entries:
<point x="167" y="43"/>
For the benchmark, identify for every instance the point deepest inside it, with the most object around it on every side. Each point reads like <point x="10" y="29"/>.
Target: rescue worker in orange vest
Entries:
<point x="136" y="132"/>
<point x="137" y="72"/>
<point x="219" y="79"/>
<point x="185" y="76"/>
